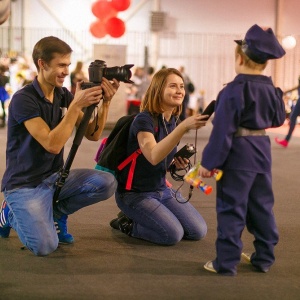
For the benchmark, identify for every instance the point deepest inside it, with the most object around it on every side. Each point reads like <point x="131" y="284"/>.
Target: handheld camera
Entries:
<point x="98" y="70"/>
<point x="210" y="109"/>
<point x="186" y="151"/>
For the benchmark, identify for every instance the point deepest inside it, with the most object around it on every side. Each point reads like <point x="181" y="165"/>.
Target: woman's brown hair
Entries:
<point x="153" y="98"/>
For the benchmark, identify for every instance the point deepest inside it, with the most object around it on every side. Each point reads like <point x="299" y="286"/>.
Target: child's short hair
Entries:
<point x="248" y="62"/>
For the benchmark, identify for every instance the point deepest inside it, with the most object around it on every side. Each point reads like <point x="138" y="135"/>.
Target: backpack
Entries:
<point x="111" y="155"/>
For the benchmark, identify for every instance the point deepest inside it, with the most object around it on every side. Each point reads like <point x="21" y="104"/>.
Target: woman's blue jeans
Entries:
<point x="31" y="209"/>
<point x="159" y="218"/>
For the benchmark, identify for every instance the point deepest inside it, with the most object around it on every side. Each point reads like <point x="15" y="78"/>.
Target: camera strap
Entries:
<point x="191" y="189"/>
<point x="96" y="121"/>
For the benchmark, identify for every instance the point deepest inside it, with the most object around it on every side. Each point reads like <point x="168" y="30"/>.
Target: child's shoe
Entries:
<point x="4" y="224"/>
<point x="209" y="267"/>
<point x="62" y="230"/>
<point x="283" y="143"/>
<point x="246" y="257"/>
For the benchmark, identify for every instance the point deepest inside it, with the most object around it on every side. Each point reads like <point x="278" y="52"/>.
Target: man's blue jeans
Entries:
<point x="31" y="209"/>
<point x="159" y="218"/>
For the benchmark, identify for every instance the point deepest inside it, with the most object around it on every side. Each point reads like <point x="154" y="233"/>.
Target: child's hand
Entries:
<point x="204" y="173"/>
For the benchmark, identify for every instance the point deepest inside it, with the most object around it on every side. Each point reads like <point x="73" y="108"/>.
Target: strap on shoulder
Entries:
<point x="130" y="159"/>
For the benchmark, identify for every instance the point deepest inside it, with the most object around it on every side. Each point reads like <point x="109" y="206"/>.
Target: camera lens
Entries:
<point x="119" y="73"/>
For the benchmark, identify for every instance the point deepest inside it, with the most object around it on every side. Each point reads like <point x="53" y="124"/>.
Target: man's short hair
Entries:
<point x="46" y="47"/>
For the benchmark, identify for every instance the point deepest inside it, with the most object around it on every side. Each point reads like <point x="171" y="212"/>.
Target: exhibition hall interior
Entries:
<point x="134" y="40"/>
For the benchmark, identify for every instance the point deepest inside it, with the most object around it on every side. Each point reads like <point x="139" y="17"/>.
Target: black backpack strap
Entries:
<point x="131" y="159"/>
<point x="155" y="126"/>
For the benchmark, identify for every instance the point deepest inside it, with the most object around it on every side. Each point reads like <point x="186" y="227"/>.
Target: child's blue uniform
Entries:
<point x="237" y="145"/>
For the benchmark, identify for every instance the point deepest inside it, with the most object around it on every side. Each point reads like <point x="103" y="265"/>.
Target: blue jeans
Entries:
<point x="159" y="218"/>
<point x="31" y="209"/>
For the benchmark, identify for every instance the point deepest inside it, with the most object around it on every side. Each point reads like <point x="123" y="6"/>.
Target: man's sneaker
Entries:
<point x="209" y="267"/>
<point x="283" y="143"/>
<point x="4" y="225"/>
<point x="62" y="231"/>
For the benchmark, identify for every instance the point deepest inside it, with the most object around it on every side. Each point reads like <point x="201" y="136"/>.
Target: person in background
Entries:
<point x="42" y="116"/>
<point x="187" y="85"/>
<point x="201" y="101"/>
<point x="77" y="75"/>
<point x="151" y="210"/>
<point x="239" y="146"/>
<point x="138" y="77"/>
<point x="146" y="82"/>
<point x="4" y="96"/>
<point x="293" y="121"/>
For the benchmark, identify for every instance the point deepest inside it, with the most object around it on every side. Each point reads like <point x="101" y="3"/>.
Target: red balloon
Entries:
<point x="115" y="27"/>
<point x="98" y="29"/>
<point x="120" y="5"/>
<point x="103" y="9"/>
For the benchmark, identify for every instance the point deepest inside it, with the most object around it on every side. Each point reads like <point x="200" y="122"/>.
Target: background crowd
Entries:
<point x="17" y="71"/>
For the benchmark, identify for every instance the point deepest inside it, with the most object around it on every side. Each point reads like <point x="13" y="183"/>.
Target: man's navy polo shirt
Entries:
<point x="27" y="162"/>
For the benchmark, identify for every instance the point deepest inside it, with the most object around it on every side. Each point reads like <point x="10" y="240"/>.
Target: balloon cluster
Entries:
<point x="107" y="21"/>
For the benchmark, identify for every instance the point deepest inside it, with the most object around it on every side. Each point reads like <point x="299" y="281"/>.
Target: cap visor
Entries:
<point x="239" y="42"/>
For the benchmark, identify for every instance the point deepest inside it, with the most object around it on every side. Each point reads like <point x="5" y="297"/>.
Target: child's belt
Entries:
<point x="249" y="132"/>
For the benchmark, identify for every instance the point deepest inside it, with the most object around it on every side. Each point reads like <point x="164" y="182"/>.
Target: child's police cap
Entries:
<point x="261" y="45"/>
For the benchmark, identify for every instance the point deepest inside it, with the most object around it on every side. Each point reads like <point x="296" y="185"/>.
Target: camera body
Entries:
<point x="98" y="70"/>
<point x="186" y="151"/>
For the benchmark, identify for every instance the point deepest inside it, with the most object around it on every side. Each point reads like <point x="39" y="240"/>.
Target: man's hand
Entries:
<point x="109" y="88"/>
<point x="87" y="97"/>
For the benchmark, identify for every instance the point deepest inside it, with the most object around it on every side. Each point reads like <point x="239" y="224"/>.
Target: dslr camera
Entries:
<point x="98" y="70"/>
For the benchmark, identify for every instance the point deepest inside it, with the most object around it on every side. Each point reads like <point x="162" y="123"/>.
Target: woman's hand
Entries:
<point x="194" y="122"/>
<point x="180" y="163"/>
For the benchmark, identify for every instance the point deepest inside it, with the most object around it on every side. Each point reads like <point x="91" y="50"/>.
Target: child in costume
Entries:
<point x="239" y="146"/>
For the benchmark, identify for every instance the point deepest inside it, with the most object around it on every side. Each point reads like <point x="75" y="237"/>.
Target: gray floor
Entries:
<point x="105" y="264"/>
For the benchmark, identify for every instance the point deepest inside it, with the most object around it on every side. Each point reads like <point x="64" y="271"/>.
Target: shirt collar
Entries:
<point x="37" y="87"/>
